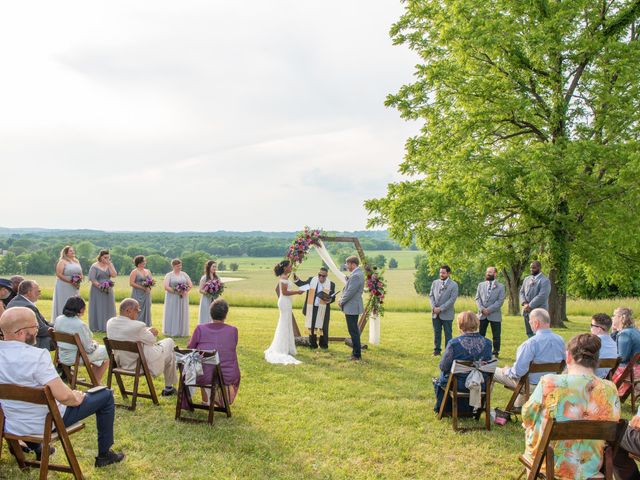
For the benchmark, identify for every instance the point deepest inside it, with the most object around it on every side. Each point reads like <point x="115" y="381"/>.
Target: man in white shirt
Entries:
<point x="159" y="355"/>
<point x="23" y="364"/>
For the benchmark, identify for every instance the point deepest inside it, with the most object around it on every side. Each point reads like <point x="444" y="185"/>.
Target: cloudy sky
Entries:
<point x="198" y="115"/>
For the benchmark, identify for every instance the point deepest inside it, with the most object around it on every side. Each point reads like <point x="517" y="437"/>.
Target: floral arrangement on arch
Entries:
<point x="302" y="243"/>
<point x="376" y="286"/>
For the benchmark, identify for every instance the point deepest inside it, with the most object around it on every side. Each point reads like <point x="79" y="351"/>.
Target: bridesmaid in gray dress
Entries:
<point x="67" y="266"/>
<point x="176" y="304"/>
<point x="139" y="291"/>
<point x="102" y="305"/>
<point x="205" y="300"/>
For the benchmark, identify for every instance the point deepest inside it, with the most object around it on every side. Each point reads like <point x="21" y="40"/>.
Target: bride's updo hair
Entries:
<point x="279" y="268"/>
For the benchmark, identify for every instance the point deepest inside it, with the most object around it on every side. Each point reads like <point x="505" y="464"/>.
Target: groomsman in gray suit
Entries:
<point x="534" y="293"/>
<point x="489" y="298"/>
<point x="442" y="297"/>
<point x="351" y="303"/>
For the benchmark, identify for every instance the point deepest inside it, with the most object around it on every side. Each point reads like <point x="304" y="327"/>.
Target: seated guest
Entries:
<point x="28" y="295"/>
<point x="624" y="467"/>
<point x="22" y="364"/>
<point x="70" y="322"/>
<point x="627" y="338"/>
<point x="600" y="326"/>
<point x="576" y="395"/>
<point x="6" y="292"/>
<point x="223" y="338"/>
<point x="469" y="346"/>
<point x="544" y="347"/>
<point x="160" y="355"/>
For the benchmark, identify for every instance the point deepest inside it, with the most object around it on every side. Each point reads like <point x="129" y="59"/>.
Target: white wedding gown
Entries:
<point x="283" y="346"/>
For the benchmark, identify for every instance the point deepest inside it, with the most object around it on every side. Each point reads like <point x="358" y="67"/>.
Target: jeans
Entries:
<point x="438" y="326"/>
<point x="496" y="328"/>
<point x="354" y="332"/>
<point x="623" y="466"/>
<point x="101" y="403"/>
<point x="526" y="325"/>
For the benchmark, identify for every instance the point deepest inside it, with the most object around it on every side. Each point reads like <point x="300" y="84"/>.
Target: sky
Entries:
<point x="199" y="115"/>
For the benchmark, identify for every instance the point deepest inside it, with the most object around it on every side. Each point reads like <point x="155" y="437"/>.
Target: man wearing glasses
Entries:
<point x="600" y="326"/>
<point x="316" y="309"/>
<point x="23" y="364"/>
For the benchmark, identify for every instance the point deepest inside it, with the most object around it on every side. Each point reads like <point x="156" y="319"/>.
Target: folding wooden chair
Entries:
<point x="54" y="429"/>
<point x="451" y="391"/>
<point x="610" y="363"/>
<point x="628" y="377"/>
<point x="142" y="368"/>
<point x="523" y="385"/>
<point x="573" y="430"/>
<point x="82" y="358"/>
<point x="216" y="383"/>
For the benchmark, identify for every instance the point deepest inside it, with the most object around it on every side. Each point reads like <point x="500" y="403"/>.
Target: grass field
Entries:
<point x="325" y="419"/>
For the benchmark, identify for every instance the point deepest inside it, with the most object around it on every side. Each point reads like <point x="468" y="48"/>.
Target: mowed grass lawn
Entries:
<point x="327" y="418"/>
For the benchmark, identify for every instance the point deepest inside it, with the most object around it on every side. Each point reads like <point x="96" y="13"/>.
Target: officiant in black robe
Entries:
<point x="320" y="296"/>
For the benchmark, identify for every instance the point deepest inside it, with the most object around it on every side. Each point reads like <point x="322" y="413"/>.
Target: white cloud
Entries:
<point x="142" y="113"/>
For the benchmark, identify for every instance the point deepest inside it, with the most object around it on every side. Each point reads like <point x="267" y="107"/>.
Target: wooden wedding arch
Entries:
<point x="365" y="315"/>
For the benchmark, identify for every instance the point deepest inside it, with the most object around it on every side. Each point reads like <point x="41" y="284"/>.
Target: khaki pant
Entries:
<point x="169" y="357"/>
<point x="501" y="377"/>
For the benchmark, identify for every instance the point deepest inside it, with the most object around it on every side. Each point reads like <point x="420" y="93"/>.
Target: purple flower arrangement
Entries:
<point x="106" y="286"/>
<point x="302" y="243"/>
<point x="213" y="288"/>
<point x="76" y="280"/>
<point x="376" y="287"/>
<point x="181" y="288"/>
<point x="148" y="282"/>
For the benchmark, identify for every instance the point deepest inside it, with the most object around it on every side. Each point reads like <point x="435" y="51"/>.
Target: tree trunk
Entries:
<point x="557" y="302"/>
<point x="559" y="270"/>
<point x="512" y="277"/>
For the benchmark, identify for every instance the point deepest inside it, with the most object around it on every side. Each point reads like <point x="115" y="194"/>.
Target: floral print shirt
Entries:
<point x="570" y="397"/>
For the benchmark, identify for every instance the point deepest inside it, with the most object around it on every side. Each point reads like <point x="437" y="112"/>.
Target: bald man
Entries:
<point x="21" y="363"/>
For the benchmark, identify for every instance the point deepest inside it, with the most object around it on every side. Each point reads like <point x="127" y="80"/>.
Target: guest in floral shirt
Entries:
<point x="577" y="395"/>
<point x="470" y="346"/>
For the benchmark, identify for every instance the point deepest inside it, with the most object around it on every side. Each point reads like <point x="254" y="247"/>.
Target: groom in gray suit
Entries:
<point x="489" y="298"/>
<point x="534" y="293"/>
<point x="351" y="303"/>
<point x="442" y="297"/>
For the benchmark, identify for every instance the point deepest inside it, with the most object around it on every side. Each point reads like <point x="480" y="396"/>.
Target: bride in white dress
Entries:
<point x="283" y="346"/>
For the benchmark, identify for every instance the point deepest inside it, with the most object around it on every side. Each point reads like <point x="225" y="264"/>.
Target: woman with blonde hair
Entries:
<point x="627" y="337"/>
<point x="68" y="278"/>
<point x="470" y="346"/>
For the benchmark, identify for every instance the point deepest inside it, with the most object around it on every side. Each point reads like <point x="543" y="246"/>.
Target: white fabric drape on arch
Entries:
<point x="326" y="258"/>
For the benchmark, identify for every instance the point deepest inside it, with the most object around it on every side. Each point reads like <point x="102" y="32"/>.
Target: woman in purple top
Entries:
<point x="223" y="338"/>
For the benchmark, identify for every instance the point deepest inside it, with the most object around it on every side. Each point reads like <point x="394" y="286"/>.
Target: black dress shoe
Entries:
<point x="353" y="358"/>
<point x="109" y="458"/>
<point x="38" y="451"/>
<point x="168" y="391"/>
<point x="436" y="354"/>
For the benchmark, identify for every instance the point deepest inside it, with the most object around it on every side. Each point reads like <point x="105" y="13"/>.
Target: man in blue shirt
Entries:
<point x="544" y="347"/>
<point x="600" y="326"/>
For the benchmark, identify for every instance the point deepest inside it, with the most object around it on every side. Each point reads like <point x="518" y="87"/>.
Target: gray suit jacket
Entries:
<point x="443" y="298"/>
<point x="492" y="301"/>
<point x="351" y="300"/>
<point x="536" y="292"/>
<point x="43" y="340"/>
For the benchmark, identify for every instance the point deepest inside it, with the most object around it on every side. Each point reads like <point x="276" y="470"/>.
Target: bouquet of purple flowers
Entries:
<point x="76" y="280"/>
<point x="148" y="282"/>
<point x="213" y="288"/>
<point x="181" y="288"/>
<point x="106" y="286"/>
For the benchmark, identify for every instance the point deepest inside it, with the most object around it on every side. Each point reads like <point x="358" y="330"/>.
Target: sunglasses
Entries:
<point x="321" y="275"/>
<point x="596" y="326"/>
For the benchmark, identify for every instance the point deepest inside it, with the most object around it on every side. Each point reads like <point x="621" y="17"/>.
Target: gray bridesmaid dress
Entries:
<point x="144" y="299"/>
<point x="176" y="309"/>
<point x="102" y="306"/>
<point x="205" y="303"/>
<point x="63" y="290"/>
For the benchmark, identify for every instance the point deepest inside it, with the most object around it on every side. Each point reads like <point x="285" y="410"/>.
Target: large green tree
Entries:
<point x="529" y="147"/>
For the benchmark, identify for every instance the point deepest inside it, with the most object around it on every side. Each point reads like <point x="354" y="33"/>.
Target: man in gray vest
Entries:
<point x="351" y="303"/>
<point x="534" y="293"/>
<point x="442" y="297"/>
<point x="489" y="298"/>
